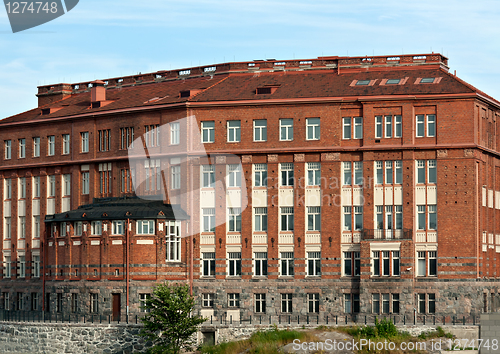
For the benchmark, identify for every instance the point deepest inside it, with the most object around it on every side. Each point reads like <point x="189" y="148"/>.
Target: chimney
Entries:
<point x="52" y="93"/>
<point x="98" y="91"/>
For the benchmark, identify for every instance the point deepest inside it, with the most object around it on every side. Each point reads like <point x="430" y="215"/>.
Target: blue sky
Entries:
<point x="100" y="39"/>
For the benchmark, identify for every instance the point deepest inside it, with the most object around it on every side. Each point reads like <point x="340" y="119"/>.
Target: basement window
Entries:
<point x="393" y="81"/>
<point x="427" y="80"/>
<point x="363" y="83"/>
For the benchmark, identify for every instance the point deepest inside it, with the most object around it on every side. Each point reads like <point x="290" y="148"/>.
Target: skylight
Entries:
<point x="427" y="80"/>
<point x="393" y="81"/>
<point x="363" y="83"/>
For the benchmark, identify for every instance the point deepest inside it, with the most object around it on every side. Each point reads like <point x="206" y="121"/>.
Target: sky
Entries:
<point x="110" y="38"/>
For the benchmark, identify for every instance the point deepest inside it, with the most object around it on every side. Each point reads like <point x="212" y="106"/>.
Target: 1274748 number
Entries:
<point x="22" y="7"/>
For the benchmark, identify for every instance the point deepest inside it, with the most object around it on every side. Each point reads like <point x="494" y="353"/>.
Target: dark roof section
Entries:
<point x="123" y="208"/>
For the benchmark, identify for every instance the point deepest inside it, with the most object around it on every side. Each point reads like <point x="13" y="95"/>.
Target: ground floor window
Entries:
<point x="260" y="303"/>
<point x="286" y="303"/>
<point x="313" y="303"/>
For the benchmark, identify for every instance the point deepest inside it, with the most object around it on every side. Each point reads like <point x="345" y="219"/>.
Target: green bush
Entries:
<point x="385" y="328"/>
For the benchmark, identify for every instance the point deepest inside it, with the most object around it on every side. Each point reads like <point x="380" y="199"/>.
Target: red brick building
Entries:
<point x="333" y="185"/>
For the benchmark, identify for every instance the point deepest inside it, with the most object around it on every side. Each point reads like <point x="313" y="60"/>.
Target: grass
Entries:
<point x="261" y="342"/>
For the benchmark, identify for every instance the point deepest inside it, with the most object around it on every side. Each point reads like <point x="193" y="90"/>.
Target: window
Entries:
<point x="431" y="171"/>
<point x="375" y="303"/>
<point x="362" y="82"/>
<point x="207" y="131"/>
<point x="421" y="303"/>
<point x="19" y="302"/>
<point x="398" y="126"/>
<point x="34" y="301"/>
<point x="431" y="263"/>
<point x="388" y="126"/>
<point x="118" y="227"/>
<point x="260" y="264"/>
<point x="420" y="125"/>
<point x="234" y="131"/>
<point x="431" y="125"/>
<point x="379" y="217"/>
<point x="74" y="302"/>
<point x="143" y="298"/>
<point x="127" y="138"/>
<point x="52" y="186"/>
<point x="66" y="185"/>
<point x="22" y="188"/>
<point x="287" y="264"/>
<point x="313" y="218"/>
<point x="234" y="220"/>
<point x="208" y="264"/>
<point x="176" y="177"/>
<point x="313" y="263"/>
<point x="286" y="129"/>
<point x="432" y="217"/>
<point x="51" y="148"/>
<point x="85" y="183"/>
<point x="313" y="128"/>
<point x="352" y="264"/>
<point x="347" y="218"/>
<point x="36" y="226"/>
<point x="376" y="263"/>
<point x="421" y="271"/>
<point x="6" y="301"/>
<point x="378" y="127"/>
<point x="153" y="174"/>
<point x="234" y="264"/>
<point x="94" y="303"/>
<point x="351" y="303"/>
<point x="8" y="149"/>
<point x="145" y="227"/>
<point x="36" y="266"/>
<point x="358" y="218"/>
<point x="386" y="303"/>
<point x="432" y="303"/>
<point x="385" y="262"/>
<point x="346" y="128"/>
<point x="388" y="172"/>
<point x="395" y="303"/>
<point x="358" y="128"/>
<point x="152" y="135"/>
<point x="260" y="303"/>
<point x="22" y="267"/>
<point x="208" y="219"/>
<point x="287" y="174"/>
<point x="313" y="174"/>
<point x="379" y="172"/>
<point x="399" y="172"/>
<point x="260" y="175"/>
<point x="85" y="141"/>
<point x="36" y="187"/>
<point x="233" y="300"/>
<point x="234" y="175"/>
<point x="207" y="300"/>
<point x="175" y="133"/>
<point x="395" y="263"/>
<point x="96" y="227"/>
<point x="22" y="148"/>
<point x="260" y="130"/>
<point x="420" y="171"/>
<point x="358" y="173"/>
<point x="207" y="176"/>
<point x="313" y="300"/>
<point x="22" y="227"/>
<point x="104" y="140"/>
<point x="420" y="217"/>
<point x="173" y="240"/>
<point x="432" y="256"/>
<point x="286" y="303"/>
<point x="7" y="229"/>
<point x="260" y="219"/>
<point x="398" y="216"/>
<point x="286" y="218"/>
<point x="7" y="267"/>
<point x="78" y="228"/>
<point x="126" y="181"/>
<point x="347" y="173"/>
<point x="36" y="147"/>
<point x="65" y="139"/>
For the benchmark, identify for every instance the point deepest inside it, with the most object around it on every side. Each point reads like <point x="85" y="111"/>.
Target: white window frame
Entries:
<point x="36" y="146"/>
<point x="22" y="148"/>
<point x="234" y="219"/>
<point x="420" y="125"/>
<point x="389" y="172"/>
<point x="431" y="125"/>
<point x="287" y="222"/>
<point x="233" y="131"/>
<point x="208" y="176"/>
<point x="8" y="149"/>
<point x="96" y="228"/>
<point x="260" y="264"/>
<point x="208" y="220"/>
<point x="207" y="300"/>
<point x="313" y="264"/>
<point x="36" y="226"/>
<point x="260" y="219"/>
<point x="234" y="175"/>
<point x="358" y="128"/>
<point x="287" y="264"/>
<point x="234" y="264"/>
<point x="66" y="185"/>
<point x="431" y="214"/>
<point x="66" y="146"/>
<point x="233" y="300"/>
<point x="314" y="218"/>
<point x="431" y="172"/>
<point x="208" y="132"/>
<point x="314" y="173"/>
<point x="421" y="225"/>
<point x="22" y="227"/>
<point x="379" y="127"/>
<point x="36" y="266"/>
<point x="22" y="188"/>
<point x="387" y="127"/>
<point x="346" y="128"/>
<point x="175" y="175"/>
<point x="287" y="175"/>
<point x="347" y="173"/>
<point x="260" y="175"/>
<point x="118" y="227"/>
<point x="358" y="173"/>
<point x="173" y="241"/>
<point x="85" y="182"/>
<point x="347" y="215"/>
<point x="398" y="126"/>
<point x="260" y="130"/>
<point x="260" y="303"/>
<point x="148" y="224"/>
<point x="175" y="133"/>
<point x="51" y="145"/>
<point x="421" y="172"/>
<point x="51" y="187"/>
<point x="358" y="218"/>
<point x="286" y="129"/>
<point x="313" y="128"/>
<point x="84" y="136"/>
<point x="208" y="264"/>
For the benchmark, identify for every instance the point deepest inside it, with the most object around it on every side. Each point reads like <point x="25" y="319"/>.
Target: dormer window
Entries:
<point x="186" y="93"/>
<point x="266" y="90"/>
<point x="363" y="83"/>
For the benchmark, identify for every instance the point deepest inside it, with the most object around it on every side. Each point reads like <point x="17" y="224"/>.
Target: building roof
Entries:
<point x="258" y="81"/>
<point x="133" y="208"/>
